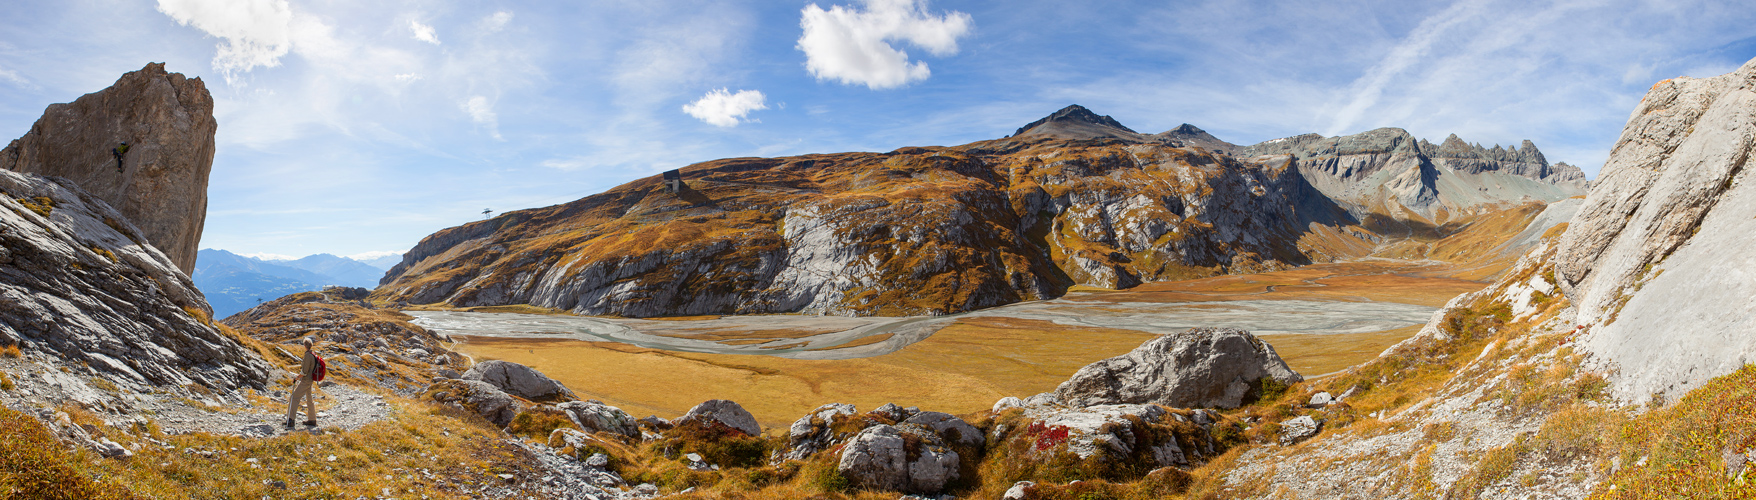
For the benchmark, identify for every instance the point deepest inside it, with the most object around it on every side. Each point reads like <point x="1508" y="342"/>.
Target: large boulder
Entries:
<point x="1198" y="368"/>
<point x="907" y="457"/>
<point x="477" y="397"/>
<point x="77" y="282"/>
<point x="723" y="412"/>
<point x="161" y="183"/>
<point x="519" y="380"/>
<point x="594" y="416"/>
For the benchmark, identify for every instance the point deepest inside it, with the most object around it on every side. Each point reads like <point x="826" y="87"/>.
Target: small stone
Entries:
<point x="1320" y="400"/>
<point x="597" y="460"/>
<point x="693" y="457"/>
<point x="1018" y="490"/>
<point x="1295" y="430"/>
<point x="331" y="458"/>
<point x="506" y="477"/>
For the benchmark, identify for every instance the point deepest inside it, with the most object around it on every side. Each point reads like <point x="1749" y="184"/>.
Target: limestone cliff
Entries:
<point x="160" y="182"/>
<point x="78" y="283"/>
<point x="1386" y="171"/>
<point x="1657" y="259"/>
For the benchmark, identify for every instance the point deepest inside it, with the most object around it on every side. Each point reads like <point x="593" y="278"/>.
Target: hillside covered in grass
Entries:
<point x="1074" y="199"/>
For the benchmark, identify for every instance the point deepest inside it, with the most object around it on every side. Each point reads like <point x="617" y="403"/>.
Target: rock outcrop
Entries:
<point x="519" y="380"/>
<point x="908" y="458"/>
<point x="594" y="416"/>
<point x="160" y="182"/>
<point x="1199" y="368"/>
<point x="721" y="412"/>
<point x="80" y="283"/>
<point x="816" y="431"/>
<point x="474" y="396"/>
<point x="1657" y="259"/>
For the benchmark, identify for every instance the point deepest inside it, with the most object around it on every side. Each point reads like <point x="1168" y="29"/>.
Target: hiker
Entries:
<point x="119" y="151"/>
<point x="302" y="389"/>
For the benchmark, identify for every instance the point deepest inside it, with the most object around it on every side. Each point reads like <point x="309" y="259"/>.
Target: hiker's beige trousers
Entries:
<point x="302" y="391"/>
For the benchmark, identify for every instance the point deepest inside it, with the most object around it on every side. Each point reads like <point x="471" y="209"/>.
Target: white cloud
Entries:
<point x="252" y="32"/>
<point x="407" y="77"/>
<point x="482" y="112"/>
<point x="722" y="108"/>
<point x="497" y="21"/>
<point x="424" y="32"/>
<point x="372" y="255"/>
<point x="854" y="47"/>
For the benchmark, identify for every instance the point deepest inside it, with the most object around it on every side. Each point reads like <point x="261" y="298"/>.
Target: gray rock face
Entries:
<point x="594" y="416"/>
<point x="1657" y="258"/>
<point x="476" y="396"/>
<point x="812" y="433"/>
<point x="1387" y="169"/>
<point x="161" y="187"/>
<point x="1199" y="368"/>
<point x="77" y="281"/>
<point x="879" y="457"/>
<point x="519" y="380"/>
<point x="724" y="412"/>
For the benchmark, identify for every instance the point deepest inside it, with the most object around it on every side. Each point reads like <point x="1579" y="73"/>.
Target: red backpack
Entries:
<point x="321" y="370"/>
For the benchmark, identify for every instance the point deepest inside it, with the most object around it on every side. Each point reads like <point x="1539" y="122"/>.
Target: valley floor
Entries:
<point x="1321" y="319"/>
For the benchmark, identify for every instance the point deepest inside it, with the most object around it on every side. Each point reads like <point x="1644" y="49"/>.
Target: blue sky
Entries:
<point x="353" y="127"/>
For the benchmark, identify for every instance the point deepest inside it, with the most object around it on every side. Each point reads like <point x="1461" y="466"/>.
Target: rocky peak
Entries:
<point x="1076" y="122"/>
<point x="160" y="181"/>
<point x="1453" y="147"/>
<point x="1193" y="136"/>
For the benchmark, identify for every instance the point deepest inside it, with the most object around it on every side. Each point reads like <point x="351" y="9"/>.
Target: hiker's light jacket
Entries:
<point x="308" y="366"/>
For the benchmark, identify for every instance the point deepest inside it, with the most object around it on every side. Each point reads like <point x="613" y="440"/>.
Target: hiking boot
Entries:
<point x="288" y="424"/>
<point x="310" y="423"/>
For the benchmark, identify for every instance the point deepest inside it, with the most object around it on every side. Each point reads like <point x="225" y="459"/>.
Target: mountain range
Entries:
<point x="233" y="282"/>
<point x="1073" y="199"/>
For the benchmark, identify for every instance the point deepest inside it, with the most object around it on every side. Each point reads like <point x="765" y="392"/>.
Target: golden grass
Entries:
<point x="1313" y="355"/>
<point x="1684" y="446"/>
<point x="962" y="368"/>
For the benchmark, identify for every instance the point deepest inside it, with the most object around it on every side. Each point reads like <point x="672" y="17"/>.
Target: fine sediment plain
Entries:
<point x="1320" y="318"/>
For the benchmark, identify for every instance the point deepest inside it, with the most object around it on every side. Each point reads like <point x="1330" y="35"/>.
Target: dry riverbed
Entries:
<point x="1320" y="318"/>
